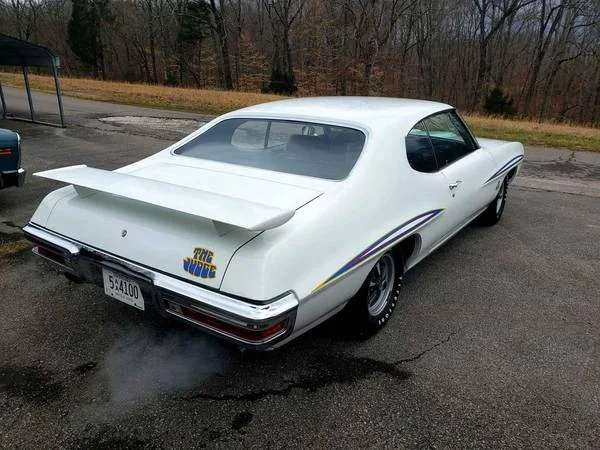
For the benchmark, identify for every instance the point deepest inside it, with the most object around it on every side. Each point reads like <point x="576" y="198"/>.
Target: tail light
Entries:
<point x="6" y="151"/>
<point x="251" y="333"/>
<point x="56" y="256"/>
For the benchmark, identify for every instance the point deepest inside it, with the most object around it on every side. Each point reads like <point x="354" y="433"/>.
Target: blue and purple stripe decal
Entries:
<point x="385" y="241"/>
<point x="506" y="167"/>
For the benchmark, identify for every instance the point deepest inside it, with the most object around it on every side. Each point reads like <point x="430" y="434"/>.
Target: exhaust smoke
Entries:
<point x="146" y="363"/>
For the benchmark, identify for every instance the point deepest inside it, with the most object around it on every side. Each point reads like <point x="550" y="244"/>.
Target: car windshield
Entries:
<point x="299" y="148"/>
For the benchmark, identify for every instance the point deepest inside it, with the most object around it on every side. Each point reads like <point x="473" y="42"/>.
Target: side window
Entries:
<point x="449" y="137"/>
<point x="462" y="129"/>
<point x="419" y="150"/>
<point x="250" y="135"/>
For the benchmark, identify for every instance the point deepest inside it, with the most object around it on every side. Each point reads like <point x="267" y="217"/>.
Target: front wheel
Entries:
<point x="372" y="306"/>
<point x="493" y="213"/>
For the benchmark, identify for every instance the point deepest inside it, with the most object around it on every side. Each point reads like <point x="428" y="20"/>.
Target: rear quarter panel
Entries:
<point x="506" y="155"/>
<point x="332" y="230"/>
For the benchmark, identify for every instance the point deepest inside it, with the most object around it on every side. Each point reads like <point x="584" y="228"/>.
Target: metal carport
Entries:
<point x="16" y="52"/>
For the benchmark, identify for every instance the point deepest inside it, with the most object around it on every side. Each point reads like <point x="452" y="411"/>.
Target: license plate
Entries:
<point x="123" y="289"/>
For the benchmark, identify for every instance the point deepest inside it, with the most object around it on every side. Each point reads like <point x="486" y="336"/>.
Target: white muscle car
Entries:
<point x="270" y="219"/>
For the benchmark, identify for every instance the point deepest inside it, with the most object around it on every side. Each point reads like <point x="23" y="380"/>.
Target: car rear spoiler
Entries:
<point x="234" y="211"/>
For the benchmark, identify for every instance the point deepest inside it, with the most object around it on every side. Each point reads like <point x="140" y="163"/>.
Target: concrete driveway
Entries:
<point x="496" y="342"/>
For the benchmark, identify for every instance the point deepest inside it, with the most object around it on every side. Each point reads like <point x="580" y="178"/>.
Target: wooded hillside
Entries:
<point x="534" y="58"/>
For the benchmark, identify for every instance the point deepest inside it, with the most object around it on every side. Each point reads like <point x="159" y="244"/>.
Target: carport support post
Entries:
<point x="58" y="93"/>
<point x="3" y="102"/>
<point x="26" y="76"/>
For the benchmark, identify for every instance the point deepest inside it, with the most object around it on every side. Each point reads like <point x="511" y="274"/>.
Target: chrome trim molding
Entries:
<point x="254" y="313"/>
<point x="38" y="233"/>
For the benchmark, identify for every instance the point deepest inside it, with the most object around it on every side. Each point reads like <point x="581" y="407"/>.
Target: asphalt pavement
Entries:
<point x="496" y="342"/>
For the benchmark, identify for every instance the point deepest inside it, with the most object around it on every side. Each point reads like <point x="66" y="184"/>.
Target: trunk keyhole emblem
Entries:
<point x="123" y="233"/>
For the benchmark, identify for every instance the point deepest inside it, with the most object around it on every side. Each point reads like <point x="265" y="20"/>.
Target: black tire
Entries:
<point x="363" y="317"/>
<point x="493" y="213"/>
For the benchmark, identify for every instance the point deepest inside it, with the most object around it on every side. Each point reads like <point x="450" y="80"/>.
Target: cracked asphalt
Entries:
<point x="496" y="342"/>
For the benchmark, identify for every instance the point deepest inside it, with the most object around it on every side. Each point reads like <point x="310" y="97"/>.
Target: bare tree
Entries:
<point x="543" y="53"/>
<point x="550" y="16"/>
<point x="26" y="14"/>
<point x="282" y="14"/>
<point x="491" y="16"/>
<point x="221" y="42"/>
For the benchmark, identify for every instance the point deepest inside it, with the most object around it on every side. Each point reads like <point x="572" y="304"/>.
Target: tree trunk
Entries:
<point x="543" y="41"/>
<point x="367" y="78"/>
<point x="288" y="66"/>
<point x="152" y="46"/>
<point x="596" y="104"/>
<point x="482" y="68"/>
<point x="222" y="45"/>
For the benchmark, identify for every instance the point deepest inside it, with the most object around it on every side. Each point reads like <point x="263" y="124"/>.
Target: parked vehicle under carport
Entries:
<point x="11" y="172"/>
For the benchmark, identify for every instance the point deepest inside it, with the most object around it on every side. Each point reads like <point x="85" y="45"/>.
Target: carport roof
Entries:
<point x="16" y="52"/>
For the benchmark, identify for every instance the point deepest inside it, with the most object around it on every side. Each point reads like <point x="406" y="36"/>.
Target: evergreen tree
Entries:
<point x="85" y="32"/>
<point x="194" y="21"/>
<point x="499" y="103"/>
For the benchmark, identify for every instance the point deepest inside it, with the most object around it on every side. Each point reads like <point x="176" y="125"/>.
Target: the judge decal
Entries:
<point x="201" y="264"/>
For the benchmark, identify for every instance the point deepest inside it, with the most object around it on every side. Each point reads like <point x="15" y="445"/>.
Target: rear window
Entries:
<point x="299" y="148"/>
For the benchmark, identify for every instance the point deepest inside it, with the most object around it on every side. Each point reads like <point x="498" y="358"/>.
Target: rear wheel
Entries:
<point x="493" y="213"/>
<point x="372" y="306"/>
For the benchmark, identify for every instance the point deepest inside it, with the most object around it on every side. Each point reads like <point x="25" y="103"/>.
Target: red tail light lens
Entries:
<point x="5" y="151"/>
<point x="52" y="255"/>
<point x="252" y="335"/>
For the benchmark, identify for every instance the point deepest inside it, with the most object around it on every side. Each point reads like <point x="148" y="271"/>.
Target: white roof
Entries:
<point x="368" y="111"/>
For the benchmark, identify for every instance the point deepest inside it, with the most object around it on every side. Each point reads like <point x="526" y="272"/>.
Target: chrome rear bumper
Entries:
<point x="250" y="324"/>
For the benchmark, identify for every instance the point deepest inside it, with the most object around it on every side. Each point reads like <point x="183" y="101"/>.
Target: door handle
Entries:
<point x="454" y="185"/>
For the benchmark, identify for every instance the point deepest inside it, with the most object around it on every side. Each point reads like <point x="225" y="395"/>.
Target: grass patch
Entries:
<point x="204" y="101"/>
<point x="545" y="134"/>
<point x="13" y="247"/>
<point x="207" y="101"/>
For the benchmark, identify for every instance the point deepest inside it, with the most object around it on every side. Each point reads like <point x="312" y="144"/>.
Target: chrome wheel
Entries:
<point x="492" y="214"/>
<point x="500" y="199"/>
<point x="372" y="306"/>
<point x="381" y="283"/>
